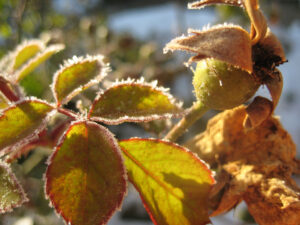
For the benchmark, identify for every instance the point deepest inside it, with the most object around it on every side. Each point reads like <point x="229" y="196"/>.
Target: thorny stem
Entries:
<point x="195" y="113"/>
<point x="7" y="91"/>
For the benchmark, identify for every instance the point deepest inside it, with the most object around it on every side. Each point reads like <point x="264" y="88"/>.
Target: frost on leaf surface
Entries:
<point x="26" y="51"/>
<point x="76" y="75"/>
<point x="173" y="182"/>
<point x="134" y="101"/>
<point x="38" y="59"/>
<point x="25" y="58"/>
<point x="11" y="193"/>
<point x="21" y="122"/>
<point x="86" y="179"/>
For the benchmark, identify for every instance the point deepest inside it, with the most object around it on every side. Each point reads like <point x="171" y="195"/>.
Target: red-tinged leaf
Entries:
<point x="76" y="75"/>
<point x="173" y="182"/>
<point x="86" y="179"/>
<point x="35" y="61"/>
<point x="134" y="101"/>
<point x="21" y="123"/>
<point x="11" y="192"/>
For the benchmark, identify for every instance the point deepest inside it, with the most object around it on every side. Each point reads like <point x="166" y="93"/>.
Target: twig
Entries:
<point x="195" y="113"/>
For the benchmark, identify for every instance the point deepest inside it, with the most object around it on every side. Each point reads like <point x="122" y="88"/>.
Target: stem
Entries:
<point x="195" y="113"/>
<point x="7" y="91"/>
<point x="68" y="113"/>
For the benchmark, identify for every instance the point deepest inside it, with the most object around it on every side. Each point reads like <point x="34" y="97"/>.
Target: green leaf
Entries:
<point x="4" y="103"/>
<point x="35" y="61"/>
<point x="11" y="192"/>
<point x="26" y="51"/>
<point x="134" y="101"/>
<point x="86" y="179"/>
<point x="173" y="182"/>
<point x="76" y="75"/>
<point x="21" y="123"/>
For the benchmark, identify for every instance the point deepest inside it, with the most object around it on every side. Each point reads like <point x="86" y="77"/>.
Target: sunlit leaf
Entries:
<point x="86" y="179"/>
<point x="76" y="75"/>
<point x="26" y="51"/>
<point x="38" y="59"/>
<point x="3" y="101"/>
<point x="11" y="193"/>
<point x="173" y="182"/>
<point x="134" y="101"/>
<point x="21" y="123"/>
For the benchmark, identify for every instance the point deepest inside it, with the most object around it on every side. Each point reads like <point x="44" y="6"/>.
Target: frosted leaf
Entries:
<point x="76" y="75"/>
<point x="20" y="123"/>
<point x="134" y="101"/>
<point x="11" y="192"/>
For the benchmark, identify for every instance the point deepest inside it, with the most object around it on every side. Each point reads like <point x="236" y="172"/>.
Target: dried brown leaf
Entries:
<point x="259" y="163"/>
<point x="227" y="43"/>
<point x="203" y="3"/>
<point x="258" y="111"/>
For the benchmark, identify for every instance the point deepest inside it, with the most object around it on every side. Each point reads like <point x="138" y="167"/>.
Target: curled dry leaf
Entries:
<point x="228" y="43"/>
<point x="255" y="165"/>
<point x="202" y="3"/>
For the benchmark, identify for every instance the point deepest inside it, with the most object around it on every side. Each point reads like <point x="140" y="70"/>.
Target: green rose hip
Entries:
<point x="221" y="86"/>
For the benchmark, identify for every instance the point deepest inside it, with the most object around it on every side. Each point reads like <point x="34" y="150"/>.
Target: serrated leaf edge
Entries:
<point x="59" y="144"/>
<point x="14" y="78"/>
<point x="31" y="137"/>
<point x="137" y="119"/>
<point x="7" y="62"/>
<point x="24" y="44"/>
<point x="186" y="150"/>
<point x="19" y="187"/>
<point x="105" y="69"/>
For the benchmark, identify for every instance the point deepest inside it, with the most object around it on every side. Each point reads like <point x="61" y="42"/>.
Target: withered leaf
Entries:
<point x="228" y="43"/>
<point x="203" y="3"/>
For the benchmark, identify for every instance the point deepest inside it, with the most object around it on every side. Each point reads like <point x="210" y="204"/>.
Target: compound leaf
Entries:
<point x="86" y="179"/>
<point x="21" y="123"/>
<point x="11" y="192"/>
<point x="134" y="101"/>
<point x="173" y="182"/>
<point x="76" y="75"/>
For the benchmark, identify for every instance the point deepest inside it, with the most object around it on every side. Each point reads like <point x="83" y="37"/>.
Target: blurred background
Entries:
<point x="131" y="34"/>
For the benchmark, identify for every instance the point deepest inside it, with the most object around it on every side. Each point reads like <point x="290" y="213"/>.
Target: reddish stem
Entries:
<point x="7" y="91"/>
<point x="68" y="113"/>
